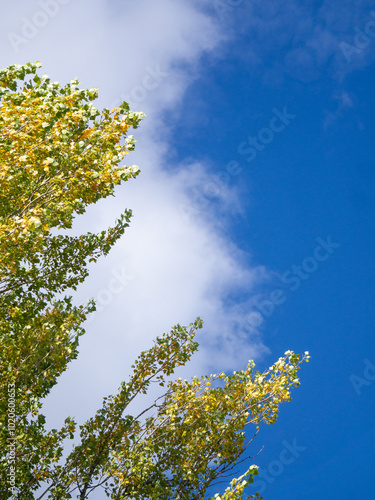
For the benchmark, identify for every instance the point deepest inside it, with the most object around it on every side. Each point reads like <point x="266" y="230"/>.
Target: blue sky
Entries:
<point x="313" y="179"/>
<point x="254" y="208"/>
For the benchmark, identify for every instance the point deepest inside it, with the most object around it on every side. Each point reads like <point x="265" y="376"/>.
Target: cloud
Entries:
<point x="178" y="269"/>
<point x="297" y="39"/>
<point x="343" y="101"/>
<point x="167" y="268"/>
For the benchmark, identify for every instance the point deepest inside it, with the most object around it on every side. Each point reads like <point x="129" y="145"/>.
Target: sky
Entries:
<point x="254" y="208"/>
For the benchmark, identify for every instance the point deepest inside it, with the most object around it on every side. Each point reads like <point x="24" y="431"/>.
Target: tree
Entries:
<point x="58" y="155"/>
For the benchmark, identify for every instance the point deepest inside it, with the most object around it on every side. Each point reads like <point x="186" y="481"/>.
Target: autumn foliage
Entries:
<point x="58" y="155"/>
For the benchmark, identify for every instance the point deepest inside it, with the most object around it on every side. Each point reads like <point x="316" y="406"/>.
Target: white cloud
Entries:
<point x="178" y="268"/>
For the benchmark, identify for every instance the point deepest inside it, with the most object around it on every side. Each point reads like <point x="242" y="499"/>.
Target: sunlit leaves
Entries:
<point x="59" y="154"/>
<point x="182" y="443"/>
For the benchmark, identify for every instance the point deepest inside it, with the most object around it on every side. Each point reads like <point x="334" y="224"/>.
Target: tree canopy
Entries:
<point x="58" y="155"/>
